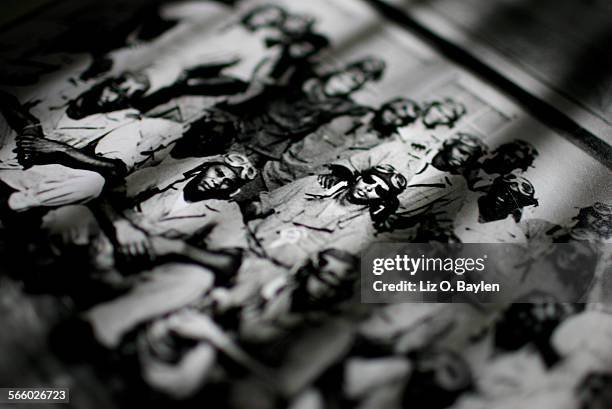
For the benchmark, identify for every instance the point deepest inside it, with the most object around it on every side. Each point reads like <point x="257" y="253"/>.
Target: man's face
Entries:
<point x="441" y="114"/>
<point x="453" y="156"/>
<point x="459" y="155"/>
<point x="599" y="222"/>
<point x="217" y="181"/>
<point x="399" y="113"/>
<point x="603" y="226"/>
<point x="328" y="272"/>
<point x="217" y="178"/>
<point x="505" y="196"/>
<point x="513" y="157"/>
<point x="345" y="82"/>
<point x="368" y="188"/>
<point x="507" y="159"/>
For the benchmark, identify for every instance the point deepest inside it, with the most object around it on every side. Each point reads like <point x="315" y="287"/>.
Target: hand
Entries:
<point x="327" y="181"/>
<point x="37" y="150"/>
<point x="39" y="144"/>
<point x="337" y="174"/>
<point x="132" y="242"/>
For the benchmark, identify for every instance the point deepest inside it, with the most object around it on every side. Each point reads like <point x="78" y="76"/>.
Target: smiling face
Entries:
<point x="368" y="188"/>
<point x="217" y="181"/>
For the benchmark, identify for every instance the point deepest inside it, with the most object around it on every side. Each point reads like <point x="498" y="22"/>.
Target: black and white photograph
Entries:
<point x="189" y="190"/>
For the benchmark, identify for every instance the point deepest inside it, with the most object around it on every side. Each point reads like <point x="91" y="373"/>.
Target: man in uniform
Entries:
<point x="342" y="207"/>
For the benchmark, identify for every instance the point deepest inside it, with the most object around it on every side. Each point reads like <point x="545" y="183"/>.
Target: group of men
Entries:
<point x="235" y="226"/>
